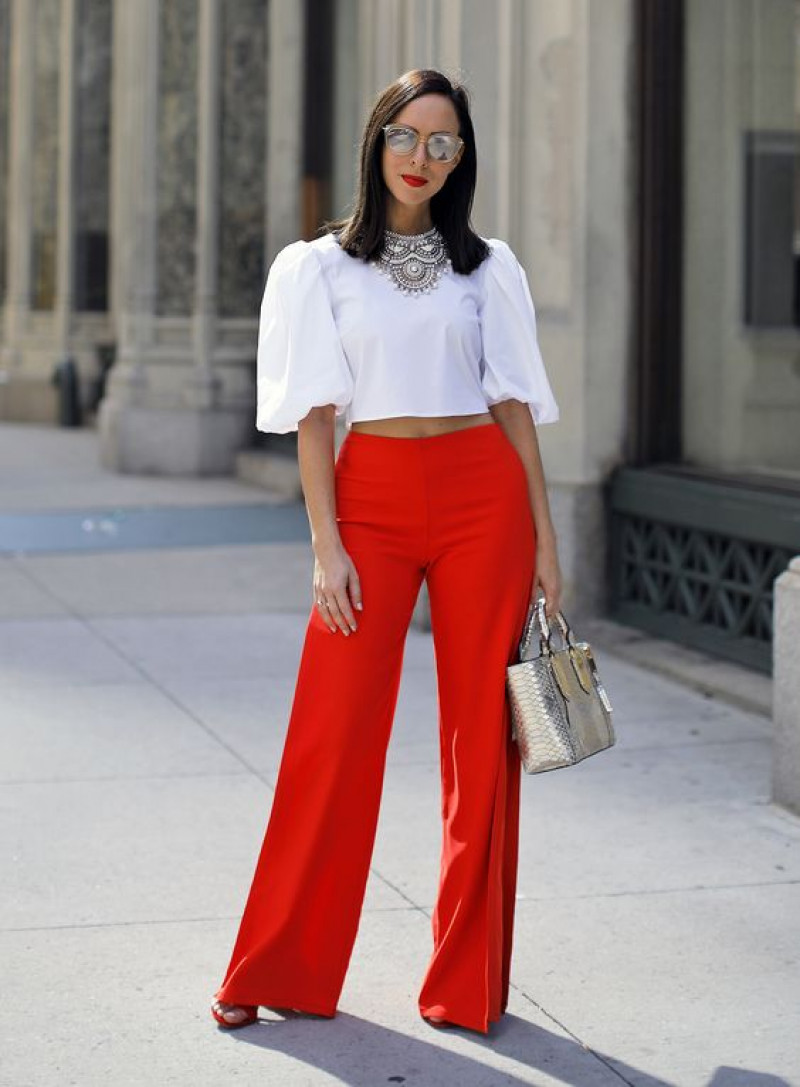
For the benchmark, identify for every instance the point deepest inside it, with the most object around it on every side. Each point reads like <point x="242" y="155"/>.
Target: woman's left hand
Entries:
<point x="548" y="575"/>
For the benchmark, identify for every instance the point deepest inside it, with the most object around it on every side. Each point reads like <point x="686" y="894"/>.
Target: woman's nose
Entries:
<point x="420" y="155"/>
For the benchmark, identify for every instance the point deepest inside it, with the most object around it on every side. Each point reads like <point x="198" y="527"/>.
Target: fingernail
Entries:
<point x="360" y="606"/>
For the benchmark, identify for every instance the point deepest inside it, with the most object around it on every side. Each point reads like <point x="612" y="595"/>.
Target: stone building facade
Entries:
<point x="638" y="155"/>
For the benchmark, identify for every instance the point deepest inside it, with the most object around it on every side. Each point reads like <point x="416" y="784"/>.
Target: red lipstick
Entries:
<point x="415" y="182"/>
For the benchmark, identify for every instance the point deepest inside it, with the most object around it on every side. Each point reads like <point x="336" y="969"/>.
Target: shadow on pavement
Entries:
<point x="363" y="1054"/>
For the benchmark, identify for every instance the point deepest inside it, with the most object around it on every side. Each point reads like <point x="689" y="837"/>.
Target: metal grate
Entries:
<point x="701" y="575"/>
<point x="704" y="584"/>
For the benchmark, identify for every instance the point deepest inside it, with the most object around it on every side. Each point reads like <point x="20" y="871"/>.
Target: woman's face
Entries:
<point x="430" y="113"/>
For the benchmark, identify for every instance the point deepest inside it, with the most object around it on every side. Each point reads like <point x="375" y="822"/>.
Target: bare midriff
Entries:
<point x="417" y="426"/>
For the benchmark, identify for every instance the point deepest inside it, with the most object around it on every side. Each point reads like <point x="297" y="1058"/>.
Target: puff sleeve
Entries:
<point x="512" y="365"/>
<point x="300" y="362"/>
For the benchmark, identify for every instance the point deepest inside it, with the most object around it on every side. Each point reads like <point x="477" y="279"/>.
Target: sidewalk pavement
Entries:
<point x="148" y="654"/>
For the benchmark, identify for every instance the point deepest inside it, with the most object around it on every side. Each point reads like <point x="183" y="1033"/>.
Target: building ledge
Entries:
<point x="725" y="680"/>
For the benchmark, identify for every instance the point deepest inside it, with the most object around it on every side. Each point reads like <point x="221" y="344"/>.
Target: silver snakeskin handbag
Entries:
<point x="560" y="712"/>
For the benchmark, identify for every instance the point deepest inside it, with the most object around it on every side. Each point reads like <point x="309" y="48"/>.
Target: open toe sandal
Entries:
<point x="252" y="1015"/>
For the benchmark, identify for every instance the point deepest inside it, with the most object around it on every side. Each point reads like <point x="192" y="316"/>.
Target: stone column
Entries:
<point x="284" y="123"/>
<point x="786" y="689"/>
<point x="20" y="164"/>
<point x="449" y="35"/>
<point x="65" y="245"/>
<point x="166" y="411"/>
<point x="121" y="418"/>
<point x="347" y="104"/>
<point x="204" y="386"/>
<point x="508" y="133"/>
<point x="133" y="198"/>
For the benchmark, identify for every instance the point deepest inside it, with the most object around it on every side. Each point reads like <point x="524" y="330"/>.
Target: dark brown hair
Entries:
<point x="361" y="234"/>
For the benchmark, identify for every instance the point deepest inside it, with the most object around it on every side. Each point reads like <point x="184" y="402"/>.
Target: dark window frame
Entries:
<point x="658" y="102"/>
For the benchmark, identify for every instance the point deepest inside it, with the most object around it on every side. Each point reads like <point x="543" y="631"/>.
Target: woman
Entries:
<point x="437" y="366"/>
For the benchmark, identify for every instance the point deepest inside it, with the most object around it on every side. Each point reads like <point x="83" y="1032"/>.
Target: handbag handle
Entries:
<point x="536" y="614"/>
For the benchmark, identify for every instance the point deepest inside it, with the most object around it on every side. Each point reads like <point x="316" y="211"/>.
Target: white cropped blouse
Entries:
<point x="333" y="330"/>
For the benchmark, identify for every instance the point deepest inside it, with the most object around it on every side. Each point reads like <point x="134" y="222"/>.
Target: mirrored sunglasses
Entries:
<point x="403" y="139"/>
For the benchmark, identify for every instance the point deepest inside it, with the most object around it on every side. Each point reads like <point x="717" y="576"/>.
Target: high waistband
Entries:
<point x="462" y="435"/>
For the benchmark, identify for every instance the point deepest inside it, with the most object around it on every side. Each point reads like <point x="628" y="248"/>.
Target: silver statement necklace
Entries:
<point x="414" y="263"/>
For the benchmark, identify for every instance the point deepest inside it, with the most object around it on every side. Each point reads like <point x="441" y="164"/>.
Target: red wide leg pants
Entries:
<point x="454" y="509"/>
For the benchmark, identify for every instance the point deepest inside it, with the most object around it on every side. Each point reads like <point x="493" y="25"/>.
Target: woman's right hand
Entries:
<point x="336" y="582"/>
